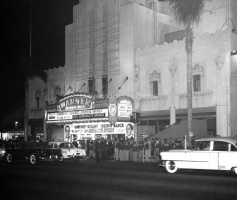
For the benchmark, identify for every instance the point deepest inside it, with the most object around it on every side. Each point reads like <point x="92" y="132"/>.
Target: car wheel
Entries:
<point x="171" y="166"/>
<point x="61" y="159"/>
<point x="32" y="159"/>
<point x="9" y="158"/>
<point x="76" y="160"/>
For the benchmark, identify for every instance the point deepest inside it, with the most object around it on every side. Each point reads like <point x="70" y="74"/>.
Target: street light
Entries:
<point x="234" y="52"/>
<point x="16" y="123"/>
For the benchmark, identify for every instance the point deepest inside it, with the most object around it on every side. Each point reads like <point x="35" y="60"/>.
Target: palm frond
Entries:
<point x="187" y="11"/>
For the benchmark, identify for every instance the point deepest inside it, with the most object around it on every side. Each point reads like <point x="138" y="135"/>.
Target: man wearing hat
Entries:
<point x="157" y="149"/>
<point x="98" y="149"/>
<point x="141" y="151"/>
<point x="116" y="149"/>
<point x="147" y="149"/>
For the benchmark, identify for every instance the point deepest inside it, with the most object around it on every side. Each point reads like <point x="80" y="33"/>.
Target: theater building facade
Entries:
<point x="135" y="48"/>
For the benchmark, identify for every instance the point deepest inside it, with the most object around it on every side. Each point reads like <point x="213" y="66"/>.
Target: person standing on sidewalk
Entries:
<point x="126" y="151"/>
<point x="91" y="150"/>
<point x="104" y="148"/>
<point x="141" y="151"/>
<point x="157" y="149"/>
<point x="135" y="151"/>
<point x="147" y="149"/>
<point x="98" y="150"/>
<point x="121" y="154"/>
<point x="116" y="149"/>
<point x="131" y="143"/>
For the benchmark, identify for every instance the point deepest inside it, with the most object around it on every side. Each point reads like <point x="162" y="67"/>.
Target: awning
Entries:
<point x="180" y="113"/>
<point x="180" y="129"/>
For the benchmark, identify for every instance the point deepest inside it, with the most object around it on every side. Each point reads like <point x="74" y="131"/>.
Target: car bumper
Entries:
<point x="52" y="158"/>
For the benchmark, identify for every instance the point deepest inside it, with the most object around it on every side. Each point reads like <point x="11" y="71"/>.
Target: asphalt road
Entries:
<point x="111" y="180"/>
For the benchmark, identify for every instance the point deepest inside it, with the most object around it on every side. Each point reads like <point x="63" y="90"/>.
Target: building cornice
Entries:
<point x="205" y="39"/>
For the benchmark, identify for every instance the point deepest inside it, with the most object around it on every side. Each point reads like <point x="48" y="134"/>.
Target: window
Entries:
<point x="105" y="85"/>
<point x="220" y="146"/>
<point x="155" y="88"/>
<point x="155" y="83"/>
<point x="37" y="99"/>
<point x="203" y="145"/>
<point x="197" y="83"/>
<point x="198" y="72"/>
<point x="233" y="148"/>
<point x="57" y="93"/>
<point x="37" y="102"/>
<point x="91" y="84"/>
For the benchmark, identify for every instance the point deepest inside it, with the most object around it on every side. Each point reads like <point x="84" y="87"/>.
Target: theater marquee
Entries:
<point x="78" y="114"/>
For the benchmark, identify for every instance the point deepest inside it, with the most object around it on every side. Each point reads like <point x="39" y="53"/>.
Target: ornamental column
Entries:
<point x="221" y="97"/>
<point x="173" y="68"/>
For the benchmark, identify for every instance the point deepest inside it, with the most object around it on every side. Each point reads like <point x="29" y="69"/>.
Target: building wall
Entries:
<point x="125" y="25"/>
<point x="212" y="53"/>
<point x="116" y="37"/>
<point x="37" y="88"/>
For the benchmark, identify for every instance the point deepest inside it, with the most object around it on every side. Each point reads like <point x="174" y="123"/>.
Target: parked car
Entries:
<point x="2" y="151"/>
<point x="69" y="151"/>
<point x="216" y="153"/>
<point x="31" y="151"/>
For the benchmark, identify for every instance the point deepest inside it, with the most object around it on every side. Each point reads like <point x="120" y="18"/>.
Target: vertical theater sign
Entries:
<point x="80" y="116"/>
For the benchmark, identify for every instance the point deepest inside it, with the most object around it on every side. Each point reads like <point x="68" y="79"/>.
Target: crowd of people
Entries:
<point x="130" y="150"/>
<point x="126" y="150"/>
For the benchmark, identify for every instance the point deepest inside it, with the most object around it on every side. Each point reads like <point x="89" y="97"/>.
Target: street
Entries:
<point x="111" y="180"/>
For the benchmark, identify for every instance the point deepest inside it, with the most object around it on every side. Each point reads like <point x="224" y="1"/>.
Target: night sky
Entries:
<point x="49" y="18"/>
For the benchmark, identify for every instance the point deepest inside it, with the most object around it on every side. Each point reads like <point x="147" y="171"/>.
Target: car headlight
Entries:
<point x="3" y="151"/>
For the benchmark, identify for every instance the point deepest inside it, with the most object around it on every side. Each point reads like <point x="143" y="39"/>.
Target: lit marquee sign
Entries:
<point x="76" y="102"/>
<point x="125" y="106"/>
<point x="78" y="114"/>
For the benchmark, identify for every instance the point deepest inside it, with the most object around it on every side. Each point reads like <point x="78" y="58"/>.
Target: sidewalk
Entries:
<point x="152" y="159"/>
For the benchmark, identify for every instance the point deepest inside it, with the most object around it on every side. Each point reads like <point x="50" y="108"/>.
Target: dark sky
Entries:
<point x="49" y="18"/>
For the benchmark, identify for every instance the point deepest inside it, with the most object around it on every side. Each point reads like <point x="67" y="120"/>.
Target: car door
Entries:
<point x="68" y="147"/>
<point x="200" y="157"/>
<point x="220" y="156"/>
<point x="19" y="152"/>
<point x="64" y="150"/>
<point x="232" y="156"/>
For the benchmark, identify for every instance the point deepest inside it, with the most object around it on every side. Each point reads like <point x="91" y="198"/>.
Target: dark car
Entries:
<point x="32" y="151"/>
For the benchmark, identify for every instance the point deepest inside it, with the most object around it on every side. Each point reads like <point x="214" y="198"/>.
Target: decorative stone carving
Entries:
<point x="197" y="94"/>
<point x="137" y="73"/>
<point x="37" y="93"/>
<point x="155" y="76"/>
<point x="174" y="63"/>
<point x="219" y="60"/>
<point x="57" y="90"/>
<point x="198" y="69"/>
<point x="205" y="39"/>
<point x="45" y="91"/>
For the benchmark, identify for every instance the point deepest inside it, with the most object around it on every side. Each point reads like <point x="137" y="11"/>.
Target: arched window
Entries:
<point x="154" y="82"/>
<point x="37" y="99"/>
<point x="57" y="93"/>
<point x="198" y="72"/>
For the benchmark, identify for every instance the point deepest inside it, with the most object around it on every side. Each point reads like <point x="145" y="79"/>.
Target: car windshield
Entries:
<point x="33" y="145"/>
<point x="68" y="145"/>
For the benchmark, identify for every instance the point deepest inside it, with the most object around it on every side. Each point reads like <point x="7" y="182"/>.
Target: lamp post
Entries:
<point x="16" y="123"/>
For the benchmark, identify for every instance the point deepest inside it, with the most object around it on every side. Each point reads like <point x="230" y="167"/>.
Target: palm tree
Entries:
<point x="188" y="12"/>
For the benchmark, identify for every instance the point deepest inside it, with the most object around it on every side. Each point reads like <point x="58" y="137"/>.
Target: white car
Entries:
<point x="69" y="151"/>
<point x="216" y="153"/>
